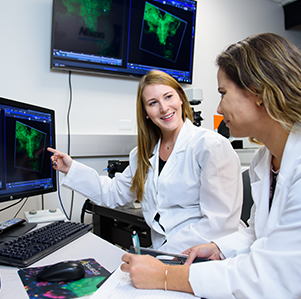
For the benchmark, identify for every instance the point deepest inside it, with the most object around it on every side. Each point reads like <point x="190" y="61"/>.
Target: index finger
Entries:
<point x="52" y="150"/>
<point x="126" y="257"/>
<point x="125" y="267"/>
<point x="191" y="257"/>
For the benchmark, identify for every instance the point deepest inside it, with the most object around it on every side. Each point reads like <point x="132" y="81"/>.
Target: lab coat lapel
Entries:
<point x="291" y="153"/>
<point x="180" y="145"/>
<point x="266" y="220"/>
<point x="169" y="166"/>
<point x="260" y="189"/>
<point x="154" y="160"/>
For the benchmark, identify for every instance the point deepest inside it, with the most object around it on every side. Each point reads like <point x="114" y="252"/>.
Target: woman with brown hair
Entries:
<point x="259" y="80"/>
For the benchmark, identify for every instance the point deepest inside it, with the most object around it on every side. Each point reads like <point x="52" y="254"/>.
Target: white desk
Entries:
<point x="87" y="246"/>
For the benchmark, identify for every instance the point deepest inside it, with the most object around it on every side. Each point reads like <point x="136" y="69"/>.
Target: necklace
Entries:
<point x="168" y="146"/>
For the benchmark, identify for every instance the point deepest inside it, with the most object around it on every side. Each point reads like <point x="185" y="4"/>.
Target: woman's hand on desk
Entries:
<point x="147" y="272"/>
<point x="209" y="251"/>
<point x="60" y="161"/>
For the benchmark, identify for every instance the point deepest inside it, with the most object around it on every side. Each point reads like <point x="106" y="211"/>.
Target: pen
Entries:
<point x="136" y="242"/>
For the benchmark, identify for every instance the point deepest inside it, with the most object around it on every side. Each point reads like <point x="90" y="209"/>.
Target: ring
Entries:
<point x="54" y="163"/>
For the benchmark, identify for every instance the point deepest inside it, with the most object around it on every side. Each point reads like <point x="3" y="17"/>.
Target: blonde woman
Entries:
<point x="187" y="178"/>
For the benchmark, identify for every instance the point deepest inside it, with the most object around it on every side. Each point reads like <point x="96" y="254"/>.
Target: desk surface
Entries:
<point x="87" y="246"/>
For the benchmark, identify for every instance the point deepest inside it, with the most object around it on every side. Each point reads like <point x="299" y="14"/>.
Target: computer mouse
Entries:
<point x="63" y="271"/>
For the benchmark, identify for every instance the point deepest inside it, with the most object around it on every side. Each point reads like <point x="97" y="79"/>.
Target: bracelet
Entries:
<point x="165" y="283"/>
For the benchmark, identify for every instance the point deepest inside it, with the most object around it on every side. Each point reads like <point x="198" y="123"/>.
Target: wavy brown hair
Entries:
<point x="149" y="133"/>
<point x="269" y="66"/>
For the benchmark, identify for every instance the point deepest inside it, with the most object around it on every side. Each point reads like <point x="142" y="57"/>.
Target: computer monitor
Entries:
<point x="124" y="37"/>
<point x="25" y="133"/>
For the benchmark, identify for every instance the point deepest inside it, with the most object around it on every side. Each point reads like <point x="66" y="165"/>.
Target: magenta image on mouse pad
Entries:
<point x="95" y="275"/>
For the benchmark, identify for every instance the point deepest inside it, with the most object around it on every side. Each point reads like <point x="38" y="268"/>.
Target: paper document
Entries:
<point x="119" y="285"/>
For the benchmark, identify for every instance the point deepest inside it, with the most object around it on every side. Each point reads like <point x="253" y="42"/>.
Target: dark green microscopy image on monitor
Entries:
<point x="29" y="147"/>
<point x="162" y="33"/>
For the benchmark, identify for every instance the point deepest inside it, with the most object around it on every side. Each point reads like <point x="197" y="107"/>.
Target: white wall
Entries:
<point x="99" y="102"/>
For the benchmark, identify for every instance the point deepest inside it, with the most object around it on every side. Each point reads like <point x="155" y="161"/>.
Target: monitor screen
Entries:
<point x="124" y="37"/>
<point x="25" y="133"/>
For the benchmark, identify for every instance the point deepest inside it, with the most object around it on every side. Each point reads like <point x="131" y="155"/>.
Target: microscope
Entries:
<point x="195" y="96"/>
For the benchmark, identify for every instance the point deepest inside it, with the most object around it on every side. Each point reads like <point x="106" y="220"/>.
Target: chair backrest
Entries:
<point x="247" y="197"/>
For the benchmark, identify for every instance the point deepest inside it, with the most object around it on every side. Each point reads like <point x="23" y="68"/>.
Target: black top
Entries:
<point x="161" y="165"/>
<point x="273" y="181"/>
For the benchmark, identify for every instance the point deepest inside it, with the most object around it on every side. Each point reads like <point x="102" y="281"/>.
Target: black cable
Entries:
<point x="71" y="206"/>
<point x="68" y="127"/>
<point x="21" y="207"/>
<point x="12" y="205"/>
<point x="68" y="114"/>
<point x="59" y="194"/>
<point x="42" y="201"/>
<point x="68" y="151"/>
<point x="85" y="210"/>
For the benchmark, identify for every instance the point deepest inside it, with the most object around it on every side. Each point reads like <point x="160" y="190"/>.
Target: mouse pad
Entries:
<point x="95" y="276"/>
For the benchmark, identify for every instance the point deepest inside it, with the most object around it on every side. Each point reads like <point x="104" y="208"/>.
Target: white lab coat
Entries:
<point x="198" y="193"/>
<point x="264" y="260"/>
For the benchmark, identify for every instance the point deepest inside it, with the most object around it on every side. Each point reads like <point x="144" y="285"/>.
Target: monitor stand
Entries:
<point x="17" y="231"/>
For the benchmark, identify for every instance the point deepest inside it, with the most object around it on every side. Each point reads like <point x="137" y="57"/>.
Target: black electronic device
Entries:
<point x="10" y="224"/>
<point x="25" y="133"/>
<point x="197" y="118"/>
<point x="62" y="271"/>
<point x="116" y="166"/>
<point x="124" y="37"/>
<point x="161" y="255"/>
<point x="31" y="247"/>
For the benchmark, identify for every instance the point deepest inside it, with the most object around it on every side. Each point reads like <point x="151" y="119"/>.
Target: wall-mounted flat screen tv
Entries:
<point x="124" y="37"/>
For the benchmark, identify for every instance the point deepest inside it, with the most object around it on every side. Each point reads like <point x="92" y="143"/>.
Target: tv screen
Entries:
<point x="25" y="133"/>
<point x="124" y="37"/>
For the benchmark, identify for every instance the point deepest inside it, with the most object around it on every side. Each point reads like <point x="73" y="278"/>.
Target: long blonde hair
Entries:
<point x="269" y="66"/>
<point x="149" y="133"/>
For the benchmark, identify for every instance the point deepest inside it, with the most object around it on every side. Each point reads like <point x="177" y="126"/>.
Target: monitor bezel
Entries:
<point x="121" y="71"/>
<point x="29" y="193"/>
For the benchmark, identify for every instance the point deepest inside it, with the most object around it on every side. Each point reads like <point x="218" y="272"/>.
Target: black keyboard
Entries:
<point x="31" y="247"/>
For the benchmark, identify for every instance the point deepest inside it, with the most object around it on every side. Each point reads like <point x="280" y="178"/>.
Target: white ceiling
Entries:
<point x="283" y="2"/>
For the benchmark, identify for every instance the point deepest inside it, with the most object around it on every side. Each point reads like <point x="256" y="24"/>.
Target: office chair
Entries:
<point x="247" y="197"/>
